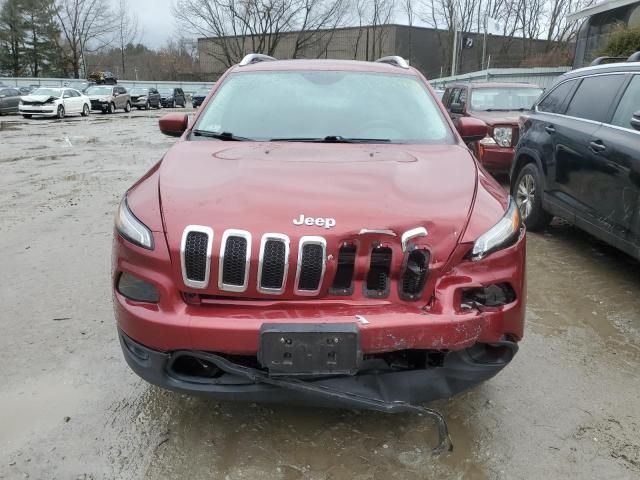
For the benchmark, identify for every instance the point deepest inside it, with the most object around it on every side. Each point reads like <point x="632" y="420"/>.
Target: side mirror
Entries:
<point x="457" y="108"/>
<point x="471" y="129"/>
<point x="635" y="121"/>
<point x="174" y="124"/>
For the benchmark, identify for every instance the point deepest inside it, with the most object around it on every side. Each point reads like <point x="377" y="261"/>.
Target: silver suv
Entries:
<point x="109" y="98"/>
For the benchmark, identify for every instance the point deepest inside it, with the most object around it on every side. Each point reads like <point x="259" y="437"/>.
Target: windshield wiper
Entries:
<point x="332" y="139"/>
<point x="226" y="136"/>
<point x="521" y="109"/>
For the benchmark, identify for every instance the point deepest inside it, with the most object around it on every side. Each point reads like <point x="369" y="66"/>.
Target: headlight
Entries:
<point x="131" y="228"/>
<point x="502" y="136"/>
<point x="502" y="235"/>
<point x="20" y="103"/>
<point x="142" y="98"/>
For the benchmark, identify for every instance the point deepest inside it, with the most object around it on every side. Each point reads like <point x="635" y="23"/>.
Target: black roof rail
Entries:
<point x="394" y="60"/>
<point x="603" y="60"/>
<point x="255" y="58"/>
<point x="635" y="57"/>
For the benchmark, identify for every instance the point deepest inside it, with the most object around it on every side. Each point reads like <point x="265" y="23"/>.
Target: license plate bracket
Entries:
<point x="310" y="349"/>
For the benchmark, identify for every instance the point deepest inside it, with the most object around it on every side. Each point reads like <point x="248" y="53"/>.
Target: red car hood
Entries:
<point x="498" y="118"/>
<point x="263" y="187"/>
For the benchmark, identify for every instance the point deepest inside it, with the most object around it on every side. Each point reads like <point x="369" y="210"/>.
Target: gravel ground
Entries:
<point x="568" y="405"/>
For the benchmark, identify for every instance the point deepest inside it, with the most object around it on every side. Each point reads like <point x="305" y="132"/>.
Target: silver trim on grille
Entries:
<point x="310" y="240"/>
<point x="234" y="233"/>
<point x="202" y="229"/>
<point x="277" y="237"/>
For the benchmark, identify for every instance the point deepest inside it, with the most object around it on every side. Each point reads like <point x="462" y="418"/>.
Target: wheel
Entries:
<point x="527" y="191"/>
<point x="86" y="110"/>
<point x="60" y="113"/>
<point x="147" y="105"/>
<point x="127" y="107"/>
<point x="26" y="115"/>
<point x="112" y="108"/>
<point x="159" y="105"/>
<point x="173" y="103"/>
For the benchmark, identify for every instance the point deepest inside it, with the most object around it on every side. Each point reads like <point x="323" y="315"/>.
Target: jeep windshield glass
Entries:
<point x="503" y="99"/>
<point x="308" y="105"/>
<point x="99" y="91"/>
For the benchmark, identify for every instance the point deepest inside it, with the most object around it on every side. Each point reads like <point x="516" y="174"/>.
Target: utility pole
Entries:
<point x="455" y="43"/>
<point x="484" y="41"/>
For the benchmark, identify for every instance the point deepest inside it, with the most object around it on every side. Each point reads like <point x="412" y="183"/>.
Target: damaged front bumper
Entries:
<point x="458" y="371"/>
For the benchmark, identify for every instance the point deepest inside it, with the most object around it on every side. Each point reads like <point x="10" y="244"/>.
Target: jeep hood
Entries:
<point x="263" y="187"/>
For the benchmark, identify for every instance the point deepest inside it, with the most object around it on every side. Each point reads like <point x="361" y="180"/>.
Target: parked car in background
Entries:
<point x="172" y="97"/>
<point x="439" y="93"/>
<point x="9" y="100"/>
<point x="142" y="97"/>
<point x="198" y="97"/>
<point x="579" y="155"/>
<point x="499" y="105"/>
<point x="54" y="102"/>
<point x="289" y="266"/>
<point x="108" y="99"/>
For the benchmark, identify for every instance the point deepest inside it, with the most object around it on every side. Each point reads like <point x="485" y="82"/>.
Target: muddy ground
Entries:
<point x="567" y="407"/>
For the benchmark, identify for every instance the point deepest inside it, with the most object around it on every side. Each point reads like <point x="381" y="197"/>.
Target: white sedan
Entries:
<point x="54" y="102"/>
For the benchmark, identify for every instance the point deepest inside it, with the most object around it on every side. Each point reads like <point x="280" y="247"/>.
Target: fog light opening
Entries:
<point x="136" y="289"/>
<point x="193" y="367"/>
<point x="496" y="295"/>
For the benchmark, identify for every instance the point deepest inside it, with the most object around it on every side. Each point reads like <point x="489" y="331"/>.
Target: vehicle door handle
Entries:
<point x="550" y="129"/>
<point x="597" y="146"/>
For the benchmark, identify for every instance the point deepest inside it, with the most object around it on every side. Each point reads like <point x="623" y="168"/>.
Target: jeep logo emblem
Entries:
<point x="318" y="222"/>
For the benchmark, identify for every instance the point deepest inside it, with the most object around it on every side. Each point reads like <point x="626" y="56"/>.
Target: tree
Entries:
<point x="126" y="30"/>
<point x="12" y="38"/>
<point x="319" y="19"/>
<point x="41" y="37"/>
<point x="85" y="25"/>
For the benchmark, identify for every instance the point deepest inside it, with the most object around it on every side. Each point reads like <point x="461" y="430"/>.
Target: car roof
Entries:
<point x="324" y="65"/>
<point x="604" y="68"/>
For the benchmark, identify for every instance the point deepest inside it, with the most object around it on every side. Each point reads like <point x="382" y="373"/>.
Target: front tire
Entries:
<point x="112" y="108"/>
<point x="85" y="110"/>
<point x="527" y="191"/>
<point x="127" y="107"/>
<point x="60" y="112"/>
<point x="173" y="104"/>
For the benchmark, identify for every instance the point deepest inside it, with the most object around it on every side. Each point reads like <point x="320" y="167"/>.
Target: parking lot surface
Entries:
<point x="568" y="406"/>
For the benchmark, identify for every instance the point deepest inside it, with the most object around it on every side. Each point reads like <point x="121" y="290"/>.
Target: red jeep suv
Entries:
<point x="499" y="105"/>
<point x="320" y="234"/>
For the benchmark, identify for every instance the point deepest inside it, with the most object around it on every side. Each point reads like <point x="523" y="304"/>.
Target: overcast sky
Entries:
<point x="155" y="20"/>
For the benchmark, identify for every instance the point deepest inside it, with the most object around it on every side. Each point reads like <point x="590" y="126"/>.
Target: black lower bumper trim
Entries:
<point x="460" y="370"/>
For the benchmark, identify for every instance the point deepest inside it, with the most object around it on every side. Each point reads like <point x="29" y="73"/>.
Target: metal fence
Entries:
<point x="188" y="87"/>
<point x="541" y="76"/>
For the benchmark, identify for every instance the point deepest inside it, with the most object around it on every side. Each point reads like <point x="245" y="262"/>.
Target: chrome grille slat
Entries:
<point x="312" y="255"/>
<point x="235" y="260"/>
<point x="195" y="255"/>
<point x="273" y="263"/>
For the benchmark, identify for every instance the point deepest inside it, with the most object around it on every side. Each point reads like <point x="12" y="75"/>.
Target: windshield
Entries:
<point x="504" y="98"/>
<point x="166" y="92"/>
<point x="139" y="91"/>
<point x="99" y="91"/>
<point x="52" y="92"/>
<point x="319" y="104"/>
